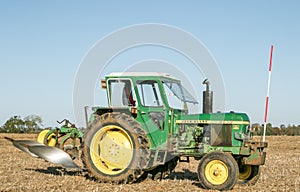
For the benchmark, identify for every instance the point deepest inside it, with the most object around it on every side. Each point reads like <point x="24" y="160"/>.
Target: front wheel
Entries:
<point x="249" y="174"/>
<point x="218" y="170"/>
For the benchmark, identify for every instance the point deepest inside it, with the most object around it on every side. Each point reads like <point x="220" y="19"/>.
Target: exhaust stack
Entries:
<point x="207" y="98"/>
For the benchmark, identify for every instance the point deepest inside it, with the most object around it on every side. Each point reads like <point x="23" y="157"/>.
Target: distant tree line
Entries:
<point x="29" y="124"/>
<point x="34" y="124"/>
<point x="290" y="130"/>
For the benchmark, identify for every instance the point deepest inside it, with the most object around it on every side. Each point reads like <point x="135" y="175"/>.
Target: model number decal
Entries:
<point x="211" y="122"/>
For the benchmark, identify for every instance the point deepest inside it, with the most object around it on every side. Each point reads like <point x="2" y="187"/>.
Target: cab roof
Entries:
<point x="142" y="74"/>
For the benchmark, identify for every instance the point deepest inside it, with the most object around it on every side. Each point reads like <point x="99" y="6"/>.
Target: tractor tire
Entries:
<point x="162" y="171"/>
<point x="115" y="149"/>
<point x="218" y="171"/>
<point x="50" y="141"/>
<point x="249" y="174"/>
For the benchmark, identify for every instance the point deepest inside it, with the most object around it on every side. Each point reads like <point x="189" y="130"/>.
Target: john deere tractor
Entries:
<point x="146" y="129"/>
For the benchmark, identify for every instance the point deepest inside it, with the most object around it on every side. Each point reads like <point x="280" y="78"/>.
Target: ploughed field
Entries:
<point x="21" y="172"/>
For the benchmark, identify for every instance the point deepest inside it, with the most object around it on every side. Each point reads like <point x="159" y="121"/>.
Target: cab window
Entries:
<point x="120" y="92"/>
<point x="149" y="93"/>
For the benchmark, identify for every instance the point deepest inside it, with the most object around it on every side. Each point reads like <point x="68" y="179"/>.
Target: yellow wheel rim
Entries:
<point x="245" y="172"/>
<point x="50" y="140"/>
<point x="111" y="150"/>
<point x="216" y="172"/>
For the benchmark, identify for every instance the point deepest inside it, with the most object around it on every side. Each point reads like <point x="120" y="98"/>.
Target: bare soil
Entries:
<point x="21" y="172"/>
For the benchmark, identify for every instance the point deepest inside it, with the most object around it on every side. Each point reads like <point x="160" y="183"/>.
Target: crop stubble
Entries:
<point x="21" y="172"/>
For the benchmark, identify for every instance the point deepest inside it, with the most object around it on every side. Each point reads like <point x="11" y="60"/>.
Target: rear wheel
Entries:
<point x="116" y="149"/>
<point x="218" y="170"/>
<point x="249" y="174"/>
<point x="50" y="140"/>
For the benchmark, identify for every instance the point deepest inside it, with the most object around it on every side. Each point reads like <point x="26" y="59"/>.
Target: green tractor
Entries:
<point x="146" y="129"/>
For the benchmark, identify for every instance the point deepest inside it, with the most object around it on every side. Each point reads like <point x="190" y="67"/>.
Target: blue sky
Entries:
<point x="43" y="42"/>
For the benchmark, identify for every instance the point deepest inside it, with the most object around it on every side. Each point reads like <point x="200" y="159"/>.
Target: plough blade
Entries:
<point x="23" y="145"/>
<point x="53" y="155"/>
<point x="48" y="153"/>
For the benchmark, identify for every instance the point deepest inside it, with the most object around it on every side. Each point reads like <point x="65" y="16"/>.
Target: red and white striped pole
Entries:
<point x="267" y="97"/>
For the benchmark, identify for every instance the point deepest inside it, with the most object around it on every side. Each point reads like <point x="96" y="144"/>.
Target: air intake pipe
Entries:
<point x="207" y="98"/>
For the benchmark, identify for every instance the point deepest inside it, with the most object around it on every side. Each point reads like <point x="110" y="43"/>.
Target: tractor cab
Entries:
<point x="151" y="98"/>
<point x="148" y="89"/>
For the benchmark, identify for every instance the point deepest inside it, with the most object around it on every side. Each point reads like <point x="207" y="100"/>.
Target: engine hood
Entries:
<point x="214" y="118"/>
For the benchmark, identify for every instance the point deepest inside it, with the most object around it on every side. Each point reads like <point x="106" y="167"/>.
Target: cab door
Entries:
<point x="153" y="111"/>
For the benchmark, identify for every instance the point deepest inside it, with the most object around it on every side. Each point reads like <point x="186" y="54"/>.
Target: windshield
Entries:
<point x="180" y="92"/>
